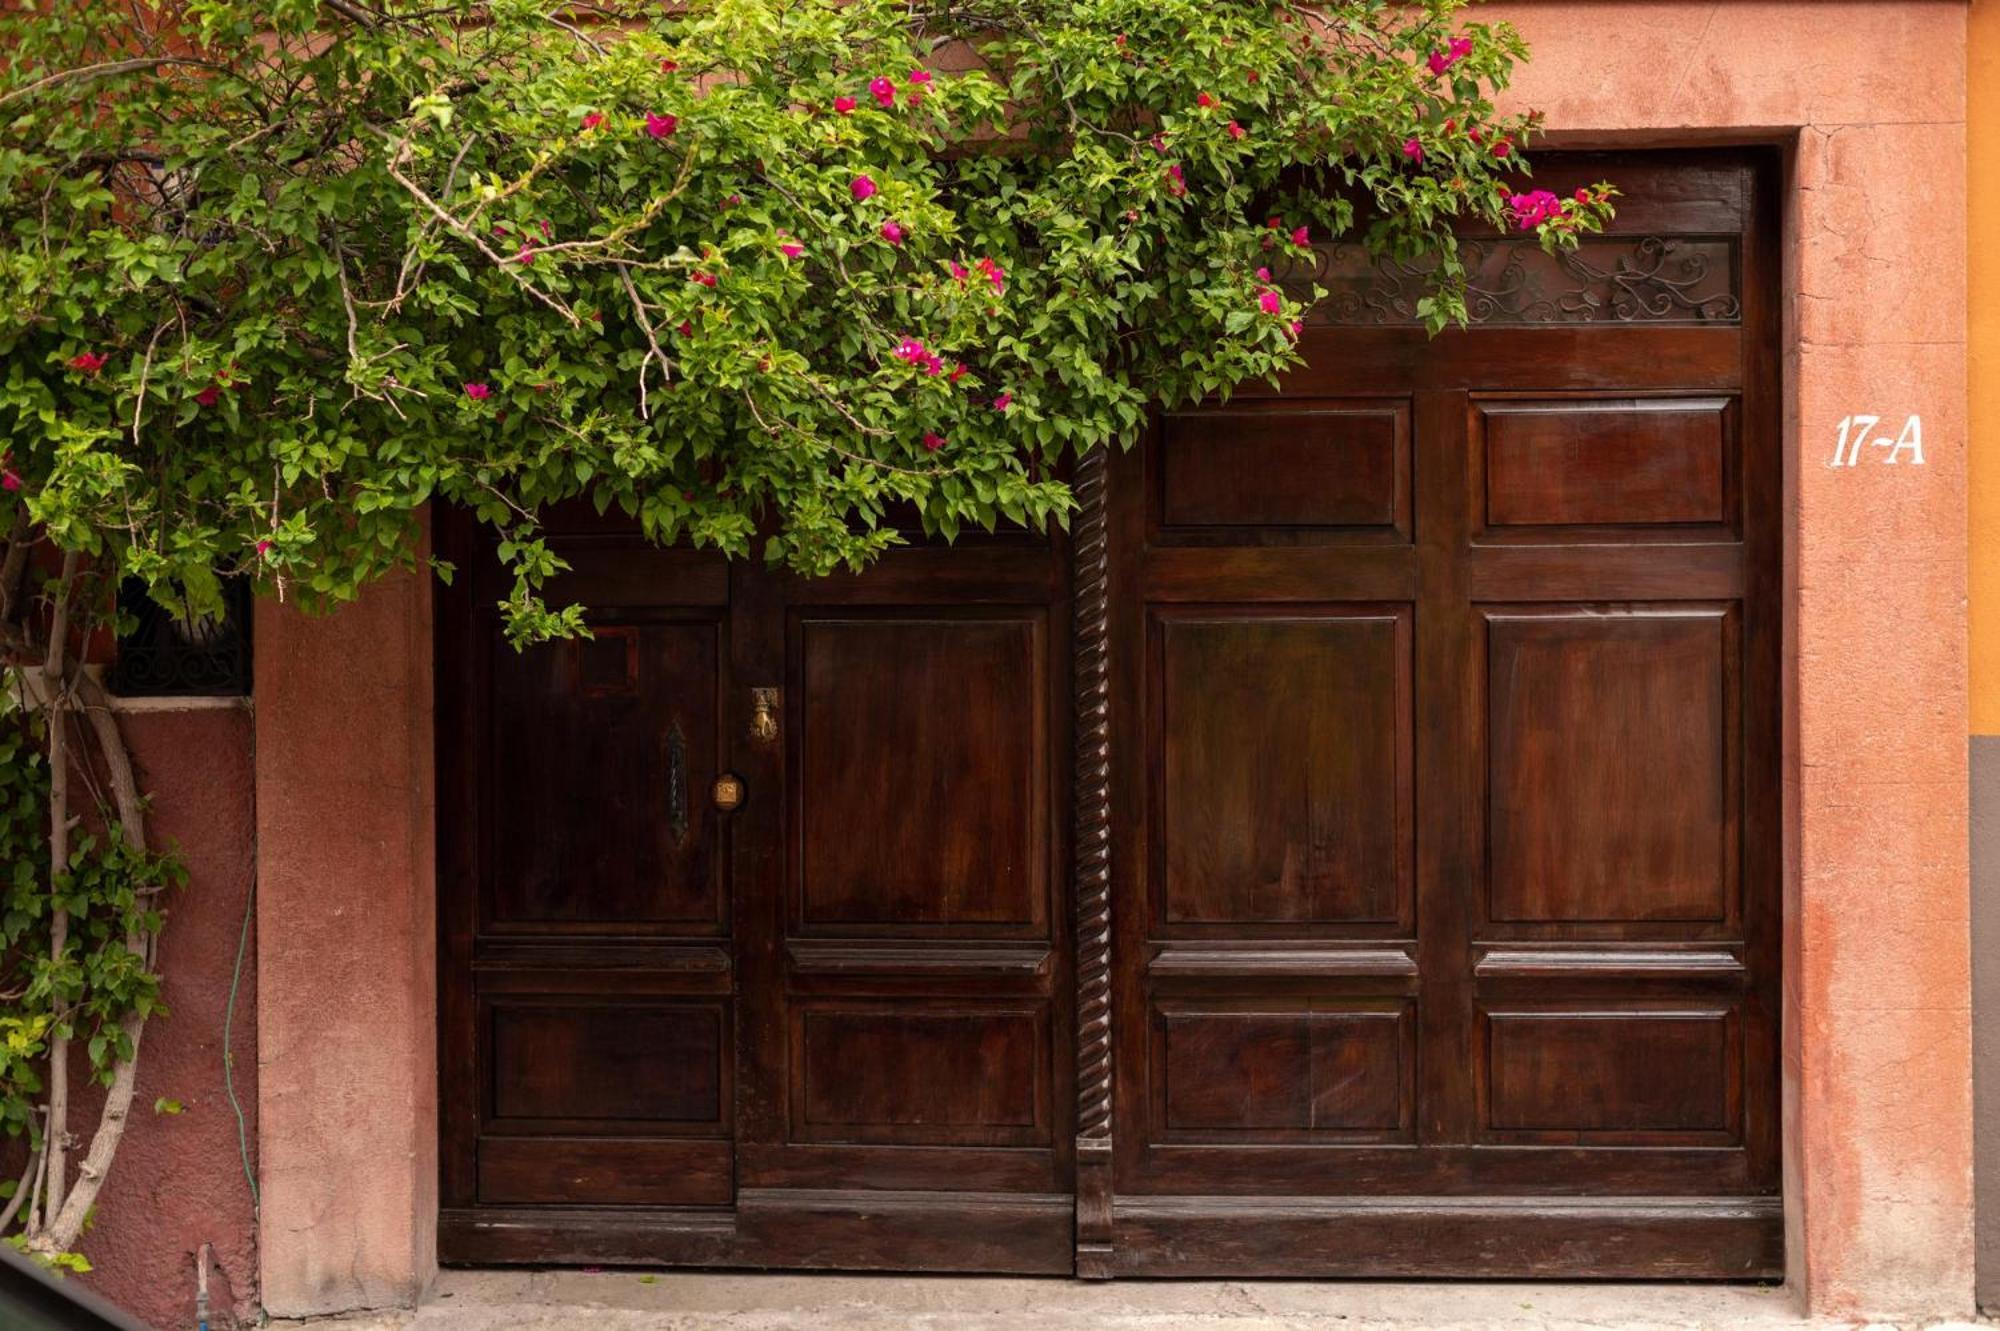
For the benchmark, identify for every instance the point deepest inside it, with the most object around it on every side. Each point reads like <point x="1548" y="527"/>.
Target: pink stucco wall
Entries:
<point x="347" y="941"/>
<point x="178" y="1181"/>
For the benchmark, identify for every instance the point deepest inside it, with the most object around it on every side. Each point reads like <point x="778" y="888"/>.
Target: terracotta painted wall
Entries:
<point x="178" y="1181"/>
<point x="348" y="943"/>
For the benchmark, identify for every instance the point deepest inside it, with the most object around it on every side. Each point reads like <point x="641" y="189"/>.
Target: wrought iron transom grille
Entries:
<point x="1606" y="279"/>
<point x="166" y="656"/>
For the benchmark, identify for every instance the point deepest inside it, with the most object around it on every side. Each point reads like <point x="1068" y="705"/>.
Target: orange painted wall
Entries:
<point x="1982" y="118"/>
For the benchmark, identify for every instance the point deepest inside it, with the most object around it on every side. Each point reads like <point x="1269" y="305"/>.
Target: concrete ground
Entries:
<point x="623" y="1300"/>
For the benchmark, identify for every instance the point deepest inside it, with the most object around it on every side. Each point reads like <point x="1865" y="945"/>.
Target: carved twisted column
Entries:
<point x="1090" y="553"/>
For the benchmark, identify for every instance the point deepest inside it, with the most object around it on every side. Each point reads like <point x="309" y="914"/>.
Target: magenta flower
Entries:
<point x="959" y="270"/>
<point x="1235" y="130"/>
<point x="669" y="66"/>
<point x="209" y="396"/>
<point x="993" y="273"/>
<point x="844" y="105"/>
<point x="264" y="548"/>
<point x="957" y="373"/>
<point x="911" y="350"/>
<point x="1302" y="236"/>
<point x="1204" y="101"/>
<point x="659" y="126"/>
<point x="702" y="279"/>
<point x="791" y="249"/>
<point x="9" y="480"/>
<point x="1004" y="401"/>
<point x="593" y="120"/>
<point x="1533" y="208"/>
<point x="862" y="188"/>
<point x="478" y="392"/>
<point x="1270" y="302"/>
<point x="920" y="77"/>
<point x="883" y="91"/>
<point x="1459" y="48"/>
<point x="1263" y="274"/>
<point x="686" y="329"/>
<point x="1175" y="181"/>
<point x="86" y="362"/>
<point x="892" y="233"/>
<point x="1414" y="151"/>
<point x="933" y="442"/>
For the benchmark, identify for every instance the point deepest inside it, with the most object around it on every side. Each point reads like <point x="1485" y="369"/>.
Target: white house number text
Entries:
<point x="1859" y="431"/>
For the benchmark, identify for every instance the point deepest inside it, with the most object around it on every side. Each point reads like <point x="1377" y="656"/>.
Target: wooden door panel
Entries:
<point x="1284" y="749"/>
<point x="921" y="774"/>
<point x="603" y="750"/>
<point x="1316" y="1070"/>
<point x="620" y="1064"/>
<point x="974" y="1075"/>
<point x="1627" y="1076"/>
<point x="1612" y="776"/>
<point x="1604" y="461"/>
<point x="1297" y="463"/>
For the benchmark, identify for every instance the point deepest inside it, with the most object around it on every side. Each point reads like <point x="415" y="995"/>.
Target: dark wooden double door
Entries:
<point x="1352" y="850"/>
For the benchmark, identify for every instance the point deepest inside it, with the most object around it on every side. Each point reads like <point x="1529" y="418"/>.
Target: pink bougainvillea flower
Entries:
<point x="892" y="233"/>
<point x="1204" y="101"/>
<point x="1533" y="208"/>
<point x="669" y="66"/>
<point x="9" y="478"/>
<point x="1270" y="302"/>
<point x="844" y="105"/>
<point x="732" y="201"/>
<point x="1501" y="148"/>
<point x="920" y="77"/>
<point x="1176" y="183"/>
<point x="1583" y="196"/>
<point x="86" y="362"/>
<point x="264" y="548"/>
<point x="700" y="278"/>
<point x="1413" y="150"/>
<point x="478" y="392"/>
<point x="933" y="442"/>
<point x="993" y="273"/>
<point x="959" y="270"/>
<point x="883" y="91"/>
<point x="1459" y="48"/>
<point x="1004" y="401"/>
<point x="592" y="120"/>
<point x="911" y="350"/>
<point x="686" y="329"/>
<point x="1159" y="143"/>
<point x="1235" y="130"/>
<point x="1275" y="223"/>
<point x="1254" y="77"/>
<point x="1263" y="274"/>
<point x="659" y="126"/>
<point x="1302" y="236"/>
<point x="526" y="254"/>
<point x="209" y="396"/>
<point x="862" y="188"/>
<point x="791" y="249"/>
<point x="957" y="373"/>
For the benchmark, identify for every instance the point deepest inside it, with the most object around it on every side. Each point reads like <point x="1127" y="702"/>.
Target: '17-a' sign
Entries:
<point x="1857" y="431"/>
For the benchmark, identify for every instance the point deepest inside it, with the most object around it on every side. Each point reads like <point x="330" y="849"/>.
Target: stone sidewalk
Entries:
<point x="688" y="1301"/>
